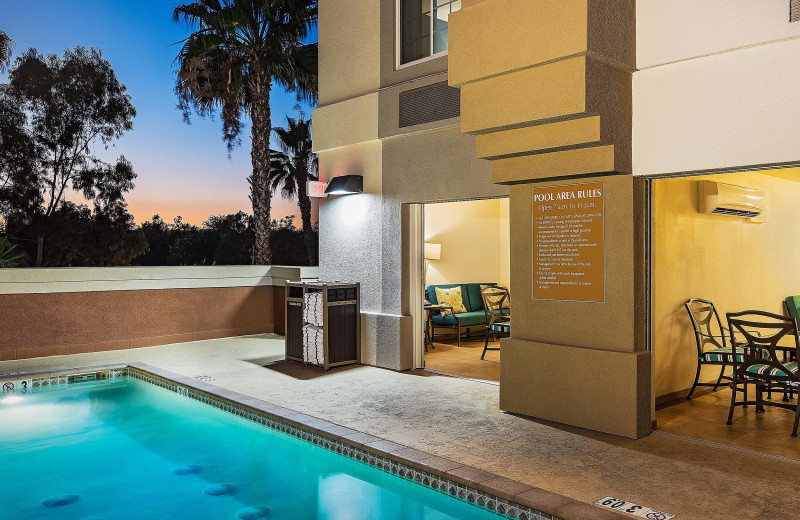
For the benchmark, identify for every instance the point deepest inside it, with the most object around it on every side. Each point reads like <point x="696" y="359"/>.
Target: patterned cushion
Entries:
<point x="721" y="355"/>
<point x="772" y="371"/>
<point x="725" y="355"/>
<point x="507" y="301"/>
<point x="503" y="327"/>
<point x="452" y="298"/>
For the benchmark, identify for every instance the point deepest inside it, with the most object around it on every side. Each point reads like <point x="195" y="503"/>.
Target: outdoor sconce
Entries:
<point x="345" y="185"/>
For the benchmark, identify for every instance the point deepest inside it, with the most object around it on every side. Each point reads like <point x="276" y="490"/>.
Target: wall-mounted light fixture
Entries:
<point x="345" y="185"/>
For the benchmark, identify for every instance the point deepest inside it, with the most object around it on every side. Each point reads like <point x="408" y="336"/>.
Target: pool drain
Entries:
<point x="59" y="500"/>
<point x="191" y="469"/>
<point x="218" y="490"/>
<point x="253" y="513"/>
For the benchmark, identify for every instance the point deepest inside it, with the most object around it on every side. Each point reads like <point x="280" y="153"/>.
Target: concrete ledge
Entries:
<point x="11" y="354"/>
<point x="600" y="390"/>
<point x="101" y="279"/>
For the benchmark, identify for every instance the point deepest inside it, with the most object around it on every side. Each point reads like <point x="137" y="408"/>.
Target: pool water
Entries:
<point x="125" y="449"/>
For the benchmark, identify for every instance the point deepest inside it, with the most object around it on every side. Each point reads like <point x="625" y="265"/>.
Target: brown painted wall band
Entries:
<point x="39" y="325"/>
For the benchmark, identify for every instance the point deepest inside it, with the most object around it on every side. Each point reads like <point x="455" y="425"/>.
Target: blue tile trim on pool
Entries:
<point x="424" y="478"/>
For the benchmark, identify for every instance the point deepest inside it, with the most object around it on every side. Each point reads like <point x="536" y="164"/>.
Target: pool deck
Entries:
<point x="459" y="419"/>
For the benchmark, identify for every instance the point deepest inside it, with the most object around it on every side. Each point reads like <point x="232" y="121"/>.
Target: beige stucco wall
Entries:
<point x="546" y="89"/>
<point x="349" y="49"/>
<point x="474" y="239"/>
<point x="736" y="263"/>
<point x="356" y="131"/>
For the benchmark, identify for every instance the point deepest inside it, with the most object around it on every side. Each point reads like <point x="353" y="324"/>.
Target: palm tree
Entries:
<point x="237" y="50"/>
<point x="290" y="170"/>
<point x="6" y="46"/>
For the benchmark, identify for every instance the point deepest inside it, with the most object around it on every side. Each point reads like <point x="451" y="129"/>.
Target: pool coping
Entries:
<point x="505" y="496"/>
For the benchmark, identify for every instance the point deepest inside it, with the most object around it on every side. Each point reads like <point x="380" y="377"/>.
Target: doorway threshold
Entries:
<point x="459" y="376"/>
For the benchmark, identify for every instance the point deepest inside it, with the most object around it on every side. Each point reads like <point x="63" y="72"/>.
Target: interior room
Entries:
<point x="467" y="286"/>
<point x="724" y="244"/>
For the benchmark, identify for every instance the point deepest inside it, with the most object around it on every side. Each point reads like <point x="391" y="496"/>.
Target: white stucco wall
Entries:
<point x="673" y="30"/>
<point x="716" y="85"/>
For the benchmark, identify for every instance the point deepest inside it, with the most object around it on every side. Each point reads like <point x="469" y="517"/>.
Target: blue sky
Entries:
<point x="183" y="169"/>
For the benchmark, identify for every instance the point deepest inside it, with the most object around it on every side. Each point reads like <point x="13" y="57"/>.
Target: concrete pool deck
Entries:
<point x="459" y="419"/>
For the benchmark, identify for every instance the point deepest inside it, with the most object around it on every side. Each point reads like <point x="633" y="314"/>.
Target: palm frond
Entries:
<point x="234" y="46"/>
<point x="6" y="48"/>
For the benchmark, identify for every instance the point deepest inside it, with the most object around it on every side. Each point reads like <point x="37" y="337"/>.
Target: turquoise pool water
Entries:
<point x="125" y="449"/>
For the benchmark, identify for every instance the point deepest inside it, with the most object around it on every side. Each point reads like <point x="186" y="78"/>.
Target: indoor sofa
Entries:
<point x="475" y="317"/>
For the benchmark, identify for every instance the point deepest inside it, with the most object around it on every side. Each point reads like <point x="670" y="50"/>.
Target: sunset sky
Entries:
<point x="183" y="169"/>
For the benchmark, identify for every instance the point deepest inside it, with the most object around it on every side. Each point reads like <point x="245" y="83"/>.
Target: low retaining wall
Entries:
<point x="46" y="312"/>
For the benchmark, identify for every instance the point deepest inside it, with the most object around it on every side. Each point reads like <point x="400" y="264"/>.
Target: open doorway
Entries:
<point x="721" y="245"/>
<point x="466" y="273"/>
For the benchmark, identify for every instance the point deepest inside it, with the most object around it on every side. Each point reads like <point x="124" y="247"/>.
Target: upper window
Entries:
<point x="423" y="27"/>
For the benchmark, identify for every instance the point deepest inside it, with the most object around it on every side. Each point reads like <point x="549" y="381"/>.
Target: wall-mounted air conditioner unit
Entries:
<point x="727" y="199"/>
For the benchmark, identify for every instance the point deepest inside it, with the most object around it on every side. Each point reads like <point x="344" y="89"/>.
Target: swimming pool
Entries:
<point x="125" y="448"/>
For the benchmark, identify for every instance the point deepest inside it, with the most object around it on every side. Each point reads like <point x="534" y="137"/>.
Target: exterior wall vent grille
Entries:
<point x="794" y="10"/>
<point x="428" y="104"/>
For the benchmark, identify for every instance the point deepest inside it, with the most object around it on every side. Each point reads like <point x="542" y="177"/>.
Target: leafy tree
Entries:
<point x="6" y="46"/>
<point x="289" y="243"/>
<point x="19" y="161"/>
<point x="71" y="103"/>
<point x="291" y="169"/>
<point x="222" y="240"/>
<point x="10" y="254"/>
<point x="83" y="237"/>
<point x="234" y="238"/>
<point x="158" y="236"/>
<point x="237" y="50"/>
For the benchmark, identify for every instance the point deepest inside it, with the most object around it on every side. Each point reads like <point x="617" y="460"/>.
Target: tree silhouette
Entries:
<point x="229" y="63"/>
<point x="66" y="105"/>
<point x="290" y="170"/>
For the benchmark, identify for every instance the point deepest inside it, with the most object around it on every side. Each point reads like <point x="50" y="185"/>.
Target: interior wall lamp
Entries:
<point x="430" y="251"/>
<point x="345" y="185"/>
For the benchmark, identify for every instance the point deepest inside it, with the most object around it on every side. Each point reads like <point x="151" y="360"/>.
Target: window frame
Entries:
<point x="398" y="40"/>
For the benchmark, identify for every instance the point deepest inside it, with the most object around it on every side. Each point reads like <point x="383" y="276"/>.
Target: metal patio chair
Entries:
<point x="708" y="331"/>
<point x="756" y="360"/>
<point x="494" y="298"/>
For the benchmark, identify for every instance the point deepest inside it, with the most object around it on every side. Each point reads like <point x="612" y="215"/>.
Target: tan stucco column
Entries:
<point x="546" y="88"/>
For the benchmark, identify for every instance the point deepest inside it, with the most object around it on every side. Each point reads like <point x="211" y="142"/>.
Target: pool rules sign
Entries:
<point x="569" y="242"/>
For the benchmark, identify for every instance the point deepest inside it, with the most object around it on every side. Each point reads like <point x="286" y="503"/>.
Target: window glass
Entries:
<point x="423" y="27"/>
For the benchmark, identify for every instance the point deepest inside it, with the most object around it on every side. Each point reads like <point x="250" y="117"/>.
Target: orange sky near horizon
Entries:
<point x="197" y="211"/>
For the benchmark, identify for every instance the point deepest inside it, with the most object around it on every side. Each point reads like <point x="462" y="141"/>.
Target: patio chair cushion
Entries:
<point x="451" y="297"/>
<point x="721" y="355"/>
<point x="502" y="327"/>
<point x="772" y="371"/>
<point x="725" y="355"/>
<point x="793" y="305"/>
